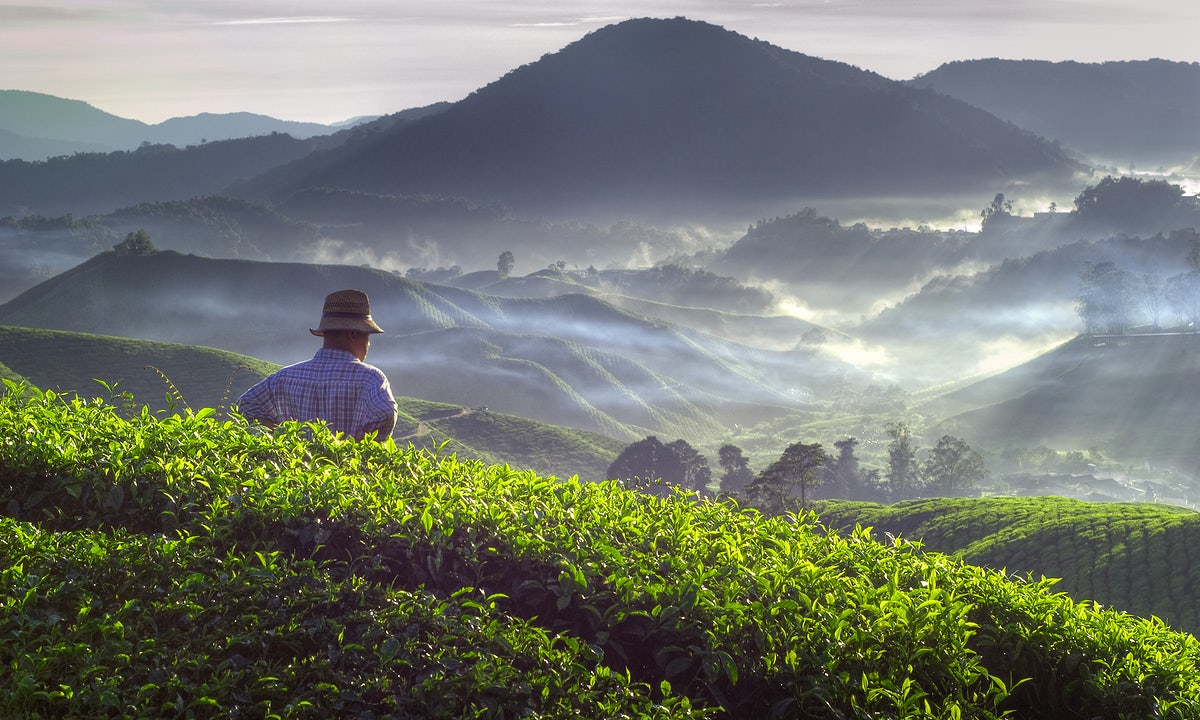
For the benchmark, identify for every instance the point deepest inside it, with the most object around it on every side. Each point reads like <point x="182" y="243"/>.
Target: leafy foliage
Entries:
<point x="188" y="566"/>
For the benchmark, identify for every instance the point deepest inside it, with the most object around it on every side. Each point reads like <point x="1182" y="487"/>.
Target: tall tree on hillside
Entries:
<point x="902" y="453"/>
<point x="1154" y="298"/>
<point x="1107" y="296"/>
<point x="696" y="472"/>
<point x="842" y="476"/>
<point x="795" y="470"/>
<point x="1133" y="205"/>
<point x="1182" y="293"/>
<point x="997" y="212"/>
<point x="647" y="463"/>
<point x="736" y="465"/>
<point x="504" y="264"/>
<point x="953" y="467"/>
<point x="136" y="243"/>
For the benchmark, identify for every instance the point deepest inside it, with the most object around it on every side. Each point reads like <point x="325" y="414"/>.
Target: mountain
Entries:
<point x="35" y="126"/>
<point x="36" y="115"/>
<point x="1141" y="112"/>
<point x="661" y="114"/>
<point x="15" y="145"/>
<point x="206" y="127"/>
<point x="571" y="360"/>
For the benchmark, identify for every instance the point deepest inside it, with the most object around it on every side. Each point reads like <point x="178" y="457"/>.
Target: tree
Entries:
<point x="737" y="469"/>
<point x="998" y="211"/>
<point x="696" y="472"/>
<point x="136" y="243"/>
<point x="647" y="462"/>
<point x="505" y="264"/>
<point x="1107" y="296"/>
<point x="843" y="476"/>
<point x="1133" y="205"/>
<point x="954" y="466"/>
<point x="1183" y="293"/>
<point x="795" y="470"/>
<point x="1154" y="299"/>
<point x="901" y="470"/>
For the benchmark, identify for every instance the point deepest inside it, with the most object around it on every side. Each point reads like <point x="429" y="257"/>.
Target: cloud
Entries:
<point x="24" y="14"/>
<point x="571" y="23"/>
<point x="304" y="19"/>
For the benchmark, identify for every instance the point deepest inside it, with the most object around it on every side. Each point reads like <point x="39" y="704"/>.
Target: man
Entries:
<point x="335" y="386"/>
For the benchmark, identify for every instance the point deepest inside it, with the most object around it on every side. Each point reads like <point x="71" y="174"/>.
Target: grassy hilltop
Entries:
<point x="186" y="566"/>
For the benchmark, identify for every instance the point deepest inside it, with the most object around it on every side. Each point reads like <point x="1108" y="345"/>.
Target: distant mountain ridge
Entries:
<point x="36" y="126"/>
<point x="654" y="113"/>
<point x="1143" y="112"/>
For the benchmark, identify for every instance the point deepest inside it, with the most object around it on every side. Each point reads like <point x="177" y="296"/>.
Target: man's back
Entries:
<point x="335" y="386"/>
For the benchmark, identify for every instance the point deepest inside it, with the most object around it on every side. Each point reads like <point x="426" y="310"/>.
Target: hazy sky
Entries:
<point x="329" y="61"/>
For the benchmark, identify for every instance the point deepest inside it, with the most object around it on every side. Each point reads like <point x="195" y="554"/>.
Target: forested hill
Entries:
<point x="663" y="112"/>
<point x="88" y="183"/>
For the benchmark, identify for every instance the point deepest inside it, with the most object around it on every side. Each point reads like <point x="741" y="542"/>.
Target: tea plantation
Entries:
<point x="191" y="566"/>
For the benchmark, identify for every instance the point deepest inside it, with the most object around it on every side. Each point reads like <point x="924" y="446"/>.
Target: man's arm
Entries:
<point x="385" y="430"/>
<point x="255" y="404"/>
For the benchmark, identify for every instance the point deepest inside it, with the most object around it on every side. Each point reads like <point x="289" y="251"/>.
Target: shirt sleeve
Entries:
<point x="385" y="403"/>
<point x="257" y="404"/>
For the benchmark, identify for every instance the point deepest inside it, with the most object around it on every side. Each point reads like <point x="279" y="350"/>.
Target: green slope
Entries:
<point x="162" y="375"/>
<point x="154" y="373"/>
<point x="1131" y="397"/>
<point x="1139" y="557"/>
<point x="495" y="437"/>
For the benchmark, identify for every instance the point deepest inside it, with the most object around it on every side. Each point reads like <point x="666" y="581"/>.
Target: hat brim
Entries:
<point x="365" y="324"/>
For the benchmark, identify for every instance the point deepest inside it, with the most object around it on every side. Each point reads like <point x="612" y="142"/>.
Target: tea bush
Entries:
<point x="191" y="566"/>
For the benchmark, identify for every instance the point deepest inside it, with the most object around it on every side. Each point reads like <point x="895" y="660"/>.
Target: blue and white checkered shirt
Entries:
<point x="349" y="395"/>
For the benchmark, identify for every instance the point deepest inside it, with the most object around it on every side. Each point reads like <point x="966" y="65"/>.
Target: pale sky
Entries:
<point x="329" y="61"/>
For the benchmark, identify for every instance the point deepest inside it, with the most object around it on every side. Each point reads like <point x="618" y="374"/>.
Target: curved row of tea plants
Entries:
<point x="175" y="564"/>
<point x="1137" y="557"/>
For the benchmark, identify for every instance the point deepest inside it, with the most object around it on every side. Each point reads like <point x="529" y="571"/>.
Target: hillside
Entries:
<point x="1132" y="112"/>
<point x="570" y="360"/>
<point x="171" y="376"/>
<point x="1134" y="557"/>
<point x="1125" y="395"/>
<point x="189" y="566"/>
<point x="155" y="374"/>
<point x="659" y="116"/>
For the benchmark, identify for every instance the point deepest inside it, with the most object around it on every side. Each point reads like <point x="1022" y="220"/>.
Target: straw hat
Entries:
<point x="346" y="310"/>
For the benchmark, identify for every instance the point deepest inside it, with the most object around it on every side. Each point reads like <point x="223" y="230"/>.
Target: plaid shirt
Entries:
<point x="351" y="396"/>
